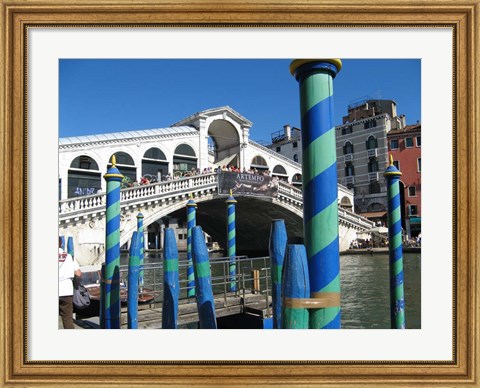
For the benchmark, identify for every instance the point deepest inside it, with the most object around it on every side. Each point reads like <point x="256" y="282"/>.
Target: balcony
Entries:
<point x="348" y="157"/>
<point x="372" y="153"/>
<point x="349" y="180"/>
<point x="372" y="176"/>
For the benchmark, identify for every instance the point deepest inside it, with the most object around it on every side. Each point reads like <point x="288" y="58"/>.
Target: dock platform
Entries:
<point x="150" y="315"/>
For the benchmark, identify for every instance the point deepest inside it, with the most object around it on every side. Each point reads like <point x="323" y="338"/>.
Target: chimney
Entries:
<point x="288" y="131"/>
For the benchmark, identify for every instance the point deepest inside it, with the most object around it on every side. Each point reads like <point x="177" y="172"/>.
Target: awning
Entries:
<point x="415" y="220"/>
<point x="374" y="214"/>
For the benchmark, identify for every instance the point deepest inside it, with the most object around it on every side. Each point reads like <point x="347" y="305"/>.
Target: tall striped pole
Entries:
<point x="70" y="246"/>
<point x="203" y="281"/>
<point x="133" y="271"/>
<point x="320" y="196"/>
<point x="62" y="242"/>
<point x="397" y="301"/>
<point x="141" y="249"/>
<point x="231" y="241"/>
<point x="112" y="243"/>
<point x="191" y="222"/>
<point x="295" y="288"/>
<point x="277" y="247"/>
<point x="171" y="285"/>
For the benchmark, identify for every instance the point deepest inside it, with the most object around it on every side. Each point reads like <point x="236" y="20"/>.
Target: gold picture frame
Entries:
<point x="18" y="15"/>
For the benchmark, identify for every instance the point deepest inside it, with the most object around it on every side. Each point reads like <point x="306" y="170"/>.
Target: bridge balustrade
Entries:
<point x="91" y="203"/>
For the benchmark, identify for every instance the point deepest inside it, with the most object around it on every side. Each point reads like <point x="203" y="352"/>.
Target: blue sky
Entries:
<point x="101" y="96"/>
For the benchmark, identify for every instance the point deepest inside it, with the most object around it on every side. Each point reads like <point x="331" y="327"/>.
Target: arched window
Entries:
<point x="84" y="177"/>
<point x="297" y="180"/>
<point x="280" y="172"/>
<point x="184" y="159"/>
<point x="346" y="203"/>
<point x="154" y="164"/>
<point x="349" y="169"/>
<point x="259" y="163"/>
<point x="348" y="148"/>
<point x="372" y="143"/>
<point x="125" y="164"/>
<point x="373" y="165"/>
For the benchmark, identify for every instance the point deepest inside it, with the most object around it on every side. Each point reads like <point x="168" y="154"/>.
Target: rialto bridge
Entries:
<point x="206" y="140"/>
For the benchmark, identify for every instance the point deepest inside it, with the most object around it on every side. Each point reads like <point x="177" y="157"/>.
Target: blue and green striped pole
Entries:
<point x="112" y="252"/>
<point x="277" y="247"/>
<point x="397" y="301"/>
<point x="191" y="222"/>
<point x="295" y="288"/>
<point x="62" y="243"/>
<point x="70" y="246"/>
<point x="141" y="249"/>
<point x="203" y="281"/>
<point x="231" y="241"/>
<point x="319" y="172"/>
<point x="171" y="285"/>
<point x="133" y="271"/>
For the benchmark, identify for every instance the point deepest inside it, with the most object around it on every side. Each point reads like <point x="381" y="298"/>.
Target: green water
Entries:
<point x="365" y="291"/>
<point x="365" y="300"/>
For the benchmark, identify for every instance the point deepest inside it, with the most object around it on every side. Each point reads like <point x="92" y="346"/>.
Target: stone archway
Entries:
<point x="223" y="143"/>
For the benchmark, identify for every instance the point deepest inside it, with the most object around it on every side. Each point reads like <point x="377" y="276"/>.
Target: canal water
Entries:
<point x="365" y="295"/>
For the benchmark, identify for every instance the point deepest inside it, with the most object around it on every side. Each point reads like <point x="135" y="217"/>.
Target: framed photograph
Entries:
<point x="37" y="35"/>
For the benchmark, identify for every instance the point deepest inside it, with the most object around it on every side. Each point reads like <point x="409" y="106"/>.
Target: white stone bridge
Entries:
<point x="84" y="217"/>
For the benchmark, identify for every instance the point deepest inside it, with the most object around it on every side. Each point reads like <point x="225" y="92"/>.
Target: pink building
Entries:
<point x="405" y="146"/>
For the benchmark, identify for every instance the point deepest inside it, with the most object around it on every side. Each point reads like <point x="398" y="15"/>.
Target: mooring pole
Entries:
<point x="141" y="272"/>
<point x="295" y="288"/>
<point x="320" y="192"/>
<point x="231" y="241"/>
<point x="191" y="222"/>
<point x="397" y="301"/>
<point x="203" y="281"/>
<point x="62" y="242"/>
<point x="112" y="247"/>
<point x="171" y="285"/>
<point x="277" y="247"/>
<point x="132" y="287"/>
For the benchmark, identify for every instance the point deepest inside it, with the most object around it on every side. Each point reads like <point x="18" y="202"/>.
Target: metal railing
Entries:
<point x="247" y="281"/>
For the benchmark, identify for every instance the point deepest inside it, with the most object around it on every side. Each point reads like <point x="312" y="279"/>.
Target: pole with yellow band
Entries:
<point x="111" y="287"/>
<point x="295" y="288"/>
<point x="397" y="301"/>
<point x="319" y="175"/>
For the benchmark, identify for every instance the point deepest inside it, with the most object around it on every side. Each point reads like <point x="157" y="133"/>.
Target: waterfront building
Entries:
<point x="405" y="145"/>
<point x="287" y="142"/>
<point x="362" y="153"/>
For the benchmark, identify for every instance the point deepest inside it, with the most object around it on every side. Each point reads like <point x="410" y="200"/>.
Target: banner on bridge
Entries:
<point x="247" y="184"/>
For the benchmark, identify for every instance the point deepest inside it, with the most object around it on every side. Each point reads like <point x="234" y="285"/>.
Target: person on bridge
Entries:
<point x="67" y="269"/>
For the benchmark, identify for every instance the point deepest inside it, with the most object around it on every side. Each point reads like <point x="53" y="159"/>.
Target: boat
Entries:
<point x="213" y="247"/>
<point x="145" y="295"/>
<point x="91" y="282"/>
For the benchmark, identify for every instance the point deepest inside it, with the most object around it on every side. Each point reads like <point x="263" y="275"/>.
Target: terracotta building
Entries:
<point x="405" y="145"/>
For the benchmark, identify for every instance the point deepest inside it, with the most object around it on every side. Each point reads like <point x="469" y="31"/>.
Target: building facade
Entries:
<point x="362" y="153"/>
<point x="405" y="147"/>
<point x="287" y="142"/>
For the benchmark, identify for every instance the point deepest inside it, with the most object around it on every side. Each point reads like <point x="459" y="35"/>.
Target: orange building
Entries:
<point x="405" y="146"/>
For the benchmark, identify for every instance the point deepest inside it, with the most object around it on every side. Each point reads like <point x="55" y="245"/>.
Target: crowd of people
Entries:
<point x="149" y="179"/>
